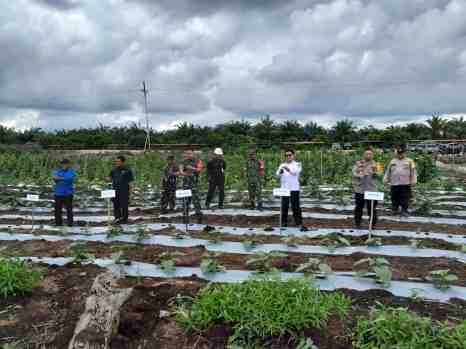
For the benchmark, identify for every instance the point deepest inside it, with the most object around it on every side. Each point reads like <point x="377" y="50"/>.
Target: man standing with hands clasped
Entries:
<point x="216" y="174"/>
<point x="401" y="175"/>
<point x="121" y="178"/>
<point x="365" y="172"/>
<point x="64" y="189"/>
<point x="289" y="172"/>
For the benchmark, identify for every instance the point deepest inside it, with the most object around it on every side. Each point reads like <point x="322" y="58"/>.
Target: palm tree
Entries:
<point x="437" y="126"/>
<point x="344" y="130"/>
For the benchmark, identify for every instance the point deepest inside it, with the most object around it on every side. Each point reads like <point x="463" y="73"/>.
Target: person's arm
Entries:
<point x="388" y="173"/>
<point x="224" y="164"/>
<point x="56" y="177"/>
<point x="294" y="169"/>
<point x="280" y="171"/>
<point x="109" y="177"/>
<point x="413" y="177"/>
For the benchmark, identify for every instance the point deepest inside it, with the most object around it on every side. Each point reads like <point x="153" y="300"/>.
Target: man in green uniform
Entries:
<point x="169" y="185"/>
<point x="254" y="175"/>
<point x="189" y="170"/>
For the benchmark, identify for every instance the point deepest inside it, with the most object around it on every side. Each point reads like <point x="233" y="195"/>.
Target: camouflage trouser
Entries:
<point x="255" y="192"/>
<point x="191" y="183"/>
<point x="168" y="197"/>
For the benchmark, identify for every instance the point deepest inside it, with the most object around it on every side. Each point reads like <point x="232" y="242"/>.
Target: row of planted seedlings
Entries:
<point x="374" y="266"/>
<point x="269" y="310"/>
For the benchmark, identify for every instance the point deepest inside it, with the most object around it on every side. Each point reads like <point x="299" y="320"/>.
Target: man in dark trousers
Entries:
<point x="190" y="169"/>
<point x="121" y="177"/>
<point x="64" y="189"/>
<point x="169" y="185"/>
<point x="216" y="175"/>
<point x="289" y="173"/>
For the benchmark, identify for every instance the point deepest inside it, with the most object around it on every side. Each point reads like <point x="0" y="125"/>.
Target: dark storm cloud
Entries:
<point x="60" y="4"/>
<point x="208" y="61"/>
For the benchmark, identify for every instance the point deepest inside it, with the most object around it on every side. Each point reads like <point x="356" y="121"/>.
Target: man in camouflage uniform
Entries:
<point x="254" y="174"/>
<point x="190" y="170"/>
<point x="401" y="175"/>
<point x="169" y="185"/>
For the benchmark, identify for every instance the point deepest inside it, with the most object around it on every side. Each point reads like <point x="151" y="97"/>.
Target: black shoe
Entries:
<point x="220" y="207"/>
<point x="123" y="221"/>
<point x="252" y="206"/>
<point x="303" y="228"/>
<point x="260" y="207"/>
<point x="164" y="211"/>
<point x="207" y="205"/>
<point x="199" y="218"/>
<point x="116" y="221"/>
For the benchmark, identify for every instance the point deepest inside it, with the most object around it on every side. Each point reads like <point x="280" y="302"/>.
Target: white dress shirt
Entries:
<point x="290" y="180"/>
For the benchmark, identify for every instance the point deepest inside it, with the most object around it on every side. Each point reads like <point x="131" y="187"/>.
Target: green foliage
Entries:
<point x="379" y="266"/>
<point x="374" y="242"/>
<point x="17" y="277"/>
<point x="263" y="262"/>
<point x="80" y="254"/>
<point x="401" y="329"/>
<point x="167" y="261"/>
<point x="114" y="231"/>
<point x="313" y="266"/>
<point x="259" y="309"/>
<point x="211" y="265"/>
<point x="335" y="240"/>
<point x="442" y="279"/>
<point x="142" y="233"/>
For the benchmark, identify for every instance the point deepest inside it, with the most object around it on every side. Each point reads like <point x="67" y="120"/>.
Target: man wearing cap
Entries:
<point x="190" y="170"/>
<point x="401" y="175"/>
<point x="255" y="173"/>
<point x="169" y="185"/>
<point x="216" y="174"/>
<point x="64" y="189"/>
<point x="289" y="173"/>
<point x="364" y="174"/>
<point x="121" y="177"/>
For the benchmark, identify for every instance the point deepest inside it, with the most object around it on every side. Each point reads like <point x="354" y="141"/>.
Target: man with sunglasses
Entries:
<point x="289" y="172"/>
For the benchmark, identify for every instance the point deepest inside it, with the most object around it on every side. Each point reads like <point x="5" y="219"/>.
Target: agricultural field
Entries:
<point x="238" y="280"/>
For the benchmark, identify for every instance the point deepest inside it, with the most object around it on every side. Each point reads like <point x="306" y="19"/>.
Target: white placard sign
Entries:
<point x="107" y="194"/>
<point x="32" y="197"/>
<point x="373" y="195"/>
<point x="184" y="193"/>
<point x="281" y="192"/>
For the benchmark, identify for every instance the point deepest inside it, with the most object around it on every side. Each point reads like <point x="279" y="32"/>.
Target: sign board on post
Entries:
<point x="281" y="192"/>
<point x="180" y="194"/>
<point x="373" y="195"/>
<point x="107" y="194"/>
<point x="32" y="197"/>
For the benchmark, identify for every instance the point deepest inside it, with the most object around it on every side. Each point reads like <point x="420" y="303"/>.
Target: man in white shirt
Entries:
<point x="289" y="172"/>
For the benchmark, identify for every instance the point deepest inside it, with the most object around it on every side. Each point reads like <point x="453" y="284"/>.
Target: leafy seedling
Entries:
<point x="313" y="266"/>
<point x="80" y="254"/>
<point x="442" y="279"/>
<point x="414" y="243"/>
<point x="306" y="343"/>
<point x="179" y="236"/>
<point x="251" y="242"/>
<point x="214" y="237"/>
<point x="142" y="233"/>
<point x="463" y="249"/>
<point x="334" y="240"/>
<point x="263" y="262"/>
<point x="373" y="242"/>
<point x="211" y="265"/>
<point x="417" y="295"/>
<point x="291" y="241"/>
<point x="17" y="277"/>
<point x="379" y="266"/>
<point x="167" y="260"/>
<point x="114" y="232"/>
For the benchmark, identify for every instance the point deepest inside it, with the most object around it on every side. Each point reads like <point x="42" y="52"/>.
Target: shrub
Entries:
<point x="17" y="277"/>
<point x="261" y="308"/>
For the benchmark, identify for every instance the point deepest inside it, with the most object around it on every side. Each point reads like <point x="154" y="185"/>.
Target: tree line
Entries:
<point x="264" y="133"/>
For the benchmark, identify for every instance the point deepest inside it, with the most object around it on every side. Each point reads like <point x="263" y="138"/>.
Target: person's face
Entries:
<point x="400" y="154"/>
<point x="119" y="163"/>
<point x="189" y="155"/>
<point x="171" y="160"/>
<point x="65" y="166"/>
<point x="289" y="156"/>
<point x="368" y="155"/>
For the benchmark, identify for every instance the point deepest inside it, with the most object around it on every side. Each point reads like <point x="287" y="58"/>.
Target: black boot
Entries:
<point x="199" y="218"/>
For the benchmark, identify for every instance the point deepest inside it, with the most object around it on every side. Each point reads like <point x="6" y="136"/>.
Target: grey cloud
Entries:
<point x="60" y="4"/>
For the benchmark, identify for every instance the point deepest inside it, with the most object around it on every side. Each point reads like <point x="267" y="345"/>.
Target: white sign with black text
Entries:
<point x="107" y="194"/>
<point x="180" y="194"/>
<point x="373" y="195"/>
<point x="281" y="192"/>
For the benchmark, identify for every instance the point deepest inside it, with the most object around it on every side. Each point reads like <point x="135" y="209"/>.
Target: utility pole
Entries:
<point x="145" y="91"/>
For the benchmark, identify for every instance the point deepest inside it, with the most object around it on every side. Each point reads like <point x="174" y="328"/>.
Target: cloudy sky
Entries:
<point x="77" y="63"/>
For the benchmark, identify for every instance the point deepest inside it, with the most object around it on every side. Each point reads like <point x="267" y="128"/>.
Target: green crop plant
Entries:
<point x="168" y="260"/>
<point x="114" y="231"/>
<point x="142" y="233"/>
<point x="313" y="266"/>
<point x="400" y="328"/>
<point x="259" y="309"/>
<point x="334" y="240"/>
<point x="291" y="241"/>
<point x="263" y="262"/>
<point x="306" y="343"/>
<point x="251" y="242"/>
<point x="463" y="248"/>
<point x="379" y="266"/>
<point x="211" y="265"/>
<point x="214" y="237"/>
<point x="373" y="242"/>
<point x="80" y="254"/>
<point x="442" y="279"/>
<point x="17" y="277"/>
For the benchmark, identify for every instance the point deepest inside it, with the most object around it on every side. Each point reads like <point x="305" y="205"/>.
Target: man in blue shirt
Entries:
<point x="64" y="189"/>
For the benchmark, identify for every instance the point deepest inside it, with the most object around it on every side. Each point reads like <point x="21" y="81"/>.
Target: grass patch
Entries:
<point x="17" y="277"/>
<point x="398" y="328"/>
<point x="261" y="308"/>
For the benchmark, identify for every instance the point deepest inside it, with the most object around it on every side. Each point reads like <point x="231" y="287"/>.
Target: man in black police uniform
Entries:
<point x="121" y="178"/>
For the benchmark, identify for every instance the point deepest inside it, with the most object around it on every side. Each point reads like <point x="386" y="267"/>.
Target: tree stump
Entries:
<point x="101" y="316"/>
